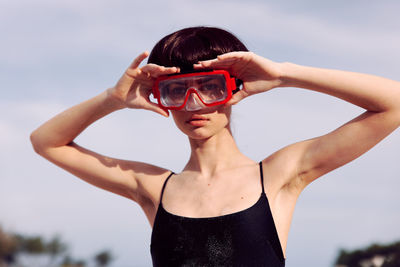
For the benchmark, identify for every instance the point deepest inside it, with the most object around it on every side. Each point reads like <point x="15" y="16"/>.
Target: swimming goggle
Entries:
<point x="194" y="91"/>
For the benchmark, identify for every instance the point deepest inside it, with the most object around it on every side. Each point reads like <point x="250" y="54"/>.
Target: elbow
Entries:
<point x="398" y="117"/>
<point x="393" y="117"/>
<point x="36" y="143"/>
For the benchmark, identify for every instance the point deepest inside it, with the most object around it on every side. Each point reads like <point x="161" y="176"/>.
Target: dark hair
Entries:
<point x="186" y="47"/>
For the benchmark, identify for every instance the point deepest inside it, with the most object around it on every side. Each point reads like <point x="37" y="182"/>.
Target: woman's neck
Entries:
<point x="214" y="154"/>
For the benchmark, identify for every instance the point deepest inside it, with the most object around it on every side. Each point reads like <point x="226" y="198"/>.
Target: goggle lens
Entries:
<point x="212" y="88"/>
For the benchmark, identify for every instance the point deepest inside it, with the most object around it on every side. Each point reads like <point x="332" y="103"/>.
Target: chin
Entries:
<point x="203" y="133"/>
<point x="199" y="135"/>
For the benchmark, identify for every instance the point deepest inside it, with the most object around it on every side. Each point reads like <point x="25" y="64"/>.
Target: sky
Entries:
<point x="55" y="54"/>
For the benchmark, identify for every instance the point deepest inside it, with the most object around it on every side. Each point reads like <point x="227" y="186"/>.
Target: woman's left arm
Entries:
<point x="312" y="158"/>
<point x="379" y="96"/>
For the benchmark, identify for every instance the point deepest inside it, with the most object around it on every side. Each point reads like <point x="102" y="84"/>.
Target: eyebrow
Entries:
<point x="177" y="82"/>
<point x="207" y="78"/>
<point x="204" y="79"/>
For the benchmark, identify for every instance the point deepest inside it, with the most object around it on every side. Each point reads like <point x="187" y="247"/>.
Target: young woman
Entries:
<point x="222" y="209"/>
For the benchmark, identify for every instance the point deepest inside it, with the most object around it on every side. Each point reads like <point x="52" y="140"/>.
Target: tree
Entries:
<point x="103" y="258"/>
<point x="24" y="251"/>
<point x="55" y="248"/>
<point x="376" y="255"/>
<point x="30" y="245"/>
<point x="8" y="248"/>
<point x="69" y="262"/>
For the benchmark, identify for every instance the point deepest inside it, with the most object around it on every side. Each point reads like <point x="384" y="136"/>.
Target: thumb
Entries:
<point x="236" y="98"/>
<point x="155" y="108"/>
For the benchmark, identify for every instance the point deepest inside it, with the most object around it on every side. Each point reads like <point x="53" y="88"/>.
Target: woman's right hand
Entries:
<point x="134" y="87"/>
<point x="54" y="140"/>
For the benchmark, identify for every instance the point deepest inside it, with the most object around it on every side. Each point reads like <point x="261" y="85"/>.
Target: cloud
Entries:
<point x="124" y="27"/>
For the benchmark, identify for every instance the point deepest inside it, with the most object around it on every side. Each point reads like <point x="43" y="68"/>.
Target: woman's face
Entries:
<point x="203" y="123"/>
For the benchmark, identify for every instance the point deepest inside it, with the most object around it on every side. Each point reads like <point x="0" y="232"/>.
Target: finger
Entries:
<point x="218" y="63"/>
<point x="211" y="65"/>
<point x="155" y="108"/>
<point x="161" y="70"/>
<point x="149" y="105"/>
<point x="170" y="70"/>
<point x="224" y="60"/>
<point x="156" y="70"/>
<point x="136" y="62"/>
<point x="236" y="54"/>
<point x="236" y="98"/>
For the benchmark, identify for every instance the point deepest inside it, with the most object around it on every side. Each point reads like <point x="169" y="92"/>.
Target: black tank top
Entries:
<point x="244" y="238"/>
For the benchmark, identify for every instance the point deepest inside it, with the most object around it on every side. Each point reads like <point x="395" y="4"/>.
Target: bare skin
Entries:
<point x="218" y="179"/>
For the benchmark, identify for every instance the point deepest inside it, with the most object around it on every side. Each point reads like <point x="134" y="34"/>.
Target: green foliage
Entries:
<point x="103" y="258"/>
<point x="390" y="254"/>
<point x="69" y="262"/>
<point x="21" y="250"/>
<point x="55" y="246"/>
<point x="30" y="245"/>
<point x="8" y="247"/>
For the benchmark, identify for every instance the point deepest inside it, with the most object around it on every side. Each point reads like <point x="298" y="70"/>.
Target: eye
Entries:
<point x="176" y="91"/>
<point x="212" y="91"/>
<point x="209" y="87"/>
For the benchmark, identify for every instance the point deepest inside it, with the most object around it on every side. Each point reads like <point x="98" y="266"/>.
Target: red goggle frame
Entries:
<point x="163" y="92"/>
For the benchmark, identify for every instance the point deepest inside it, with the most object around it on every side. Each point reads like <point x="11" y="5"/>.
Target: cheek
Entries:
<point x="223" y="122"/>
<point x="227" y="111"/>
<point x="179" y="120"/>
<point x="224" y="115"/>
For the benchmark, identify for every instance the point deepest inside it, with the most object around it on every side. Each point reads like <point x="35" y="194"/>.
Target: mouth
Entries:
<point x="197" y="120"/>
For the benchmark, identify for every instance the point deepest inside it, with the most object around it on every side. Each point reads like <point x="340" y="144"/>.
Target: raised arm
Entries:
<point x="308" y="160"/>
<point x="380" y="98"/>
<point x="54" y="139"/>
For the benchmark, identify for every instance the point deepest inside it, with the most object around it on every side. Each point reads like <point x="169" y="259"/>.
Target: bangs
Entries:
<point x="188" y="46"/>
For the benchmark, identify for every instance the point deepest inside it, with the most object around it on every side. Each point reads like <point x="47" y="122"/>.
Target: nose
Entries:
<point x="193" y="103"/>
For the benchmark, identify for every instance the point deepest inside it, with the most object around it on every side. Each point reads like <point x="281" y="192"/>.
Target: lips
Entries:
<point x="197" y="120"/>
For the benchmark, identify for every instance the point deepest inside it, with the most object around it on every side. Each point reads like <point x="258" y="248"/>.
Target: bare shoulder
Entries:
<point x="281" y="169"/>
<point x="150" y="181"/>
<point x="149" y="185"/>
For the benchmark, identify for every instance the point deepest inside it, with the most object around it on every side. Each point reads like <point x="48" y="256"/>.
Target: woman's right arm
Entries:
<point x="54" y="139"/>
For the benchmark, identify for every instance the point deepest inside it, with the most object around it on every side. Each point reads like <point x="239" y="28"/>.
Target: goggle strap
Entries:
<point x="235" y="85"/>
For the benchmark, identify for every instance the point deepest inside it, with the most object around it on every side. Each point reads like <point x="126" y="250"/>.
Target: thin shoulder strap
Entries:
<point x="165" y="182"/>
<point x="262" y="177"/>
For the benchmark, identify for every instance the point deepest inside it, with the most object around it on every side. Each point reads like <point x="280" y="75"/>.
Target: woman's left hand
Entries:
<point x="257" y="73"/>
